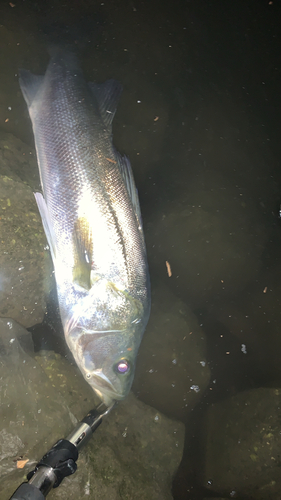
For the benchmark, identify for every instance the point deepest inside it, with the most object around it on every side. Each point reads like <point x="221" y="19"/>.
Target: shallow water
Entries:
<point x="199" y="120"/>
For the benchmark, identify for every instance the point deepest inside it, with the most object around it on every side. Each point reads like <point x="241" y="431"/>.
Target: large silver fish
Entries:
<point x="91" y="216"/>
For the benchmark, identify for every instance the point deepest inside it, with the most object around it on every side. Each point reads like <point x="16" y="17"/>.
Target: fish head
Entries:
<point x="103" y="331"/>
<point x="106" y="360"/>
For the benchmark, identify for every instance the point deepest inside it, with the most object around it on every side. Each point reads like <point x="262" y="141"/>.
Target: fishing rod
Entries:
<point x="60" y="461"/>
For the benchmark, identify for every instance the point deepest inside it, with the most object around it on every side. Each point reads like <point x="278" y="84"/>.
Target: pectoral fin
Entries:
<point x="83" y="251"/>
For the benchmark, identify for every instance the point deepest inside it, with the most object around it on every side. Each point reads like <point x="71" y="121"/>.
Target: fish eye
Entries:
<point x="88" y="375"/>
<point x="123" y="366"/>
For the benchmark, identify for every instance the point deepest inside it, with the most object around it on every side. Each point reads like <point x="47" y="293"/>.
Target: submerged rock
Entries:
<point x="243" y="445"/>
<point x="212" y="239"/>
<point x="133" y="454"/>
<point x="172" y="371"/>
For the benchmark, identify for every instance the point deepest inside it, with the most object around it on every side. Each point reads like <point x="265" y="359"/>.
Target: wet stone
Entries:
<point x="172" y="370"/>
<point x="243" y="445"/>
<point x="133" y="454"/>
<point x="24" y="262"/>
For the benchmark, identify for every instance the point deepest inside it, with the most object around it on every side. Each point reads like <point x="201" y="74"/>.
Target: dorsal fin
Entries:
<point x="107" y="95"/>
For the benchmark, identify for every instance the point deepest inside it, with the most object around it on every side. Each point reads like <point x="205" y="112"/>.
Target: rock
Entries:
<point x="133" y="454"/>
<point x="254" y="319"/>
<point x="212" y="239"/>
<point x="24" y="263"/>
<point x="172" y="372"/>
<point x="18" y="161"/>
<point x="243" y="445"/>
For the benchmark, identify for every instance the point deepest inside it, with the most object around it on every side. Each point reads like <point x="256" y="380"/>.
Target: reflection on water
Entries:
<point x="199" y="120"/>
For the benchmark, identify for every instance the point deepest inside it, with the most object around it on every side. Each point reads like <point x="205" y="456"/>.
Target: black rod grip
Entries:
<point x="27" y="491"/>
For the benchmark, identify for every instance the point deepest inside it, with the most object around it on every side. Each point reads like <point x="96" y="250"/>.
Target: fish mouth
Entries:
<point x="103" y="387"/>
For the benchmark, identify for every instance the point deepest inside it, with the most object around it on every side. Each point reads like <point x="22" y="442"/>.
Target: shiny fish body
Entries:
<point x="91" y="216"/>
